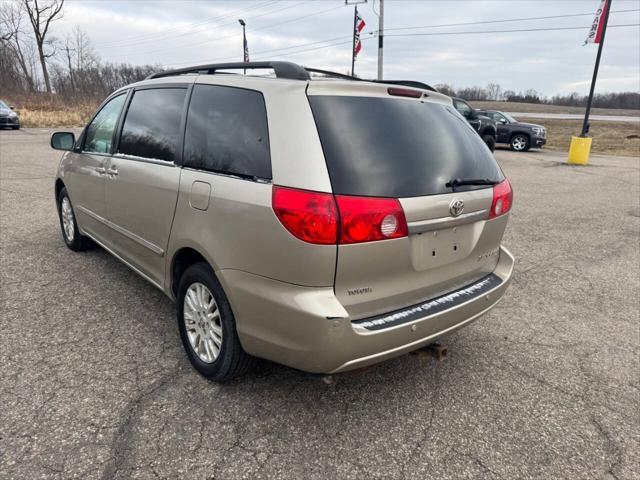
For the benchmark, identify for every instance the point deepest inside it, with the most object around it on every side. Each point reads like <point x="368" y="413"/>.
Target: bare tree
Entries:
<point x="494" y="91"/>
<point x="41" y="13"/>
<point x="13" y="38"/>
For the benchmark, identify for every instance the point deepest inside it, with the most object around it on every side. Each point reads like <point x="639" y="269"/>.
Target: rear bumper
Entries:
<point x="308" y="329"/>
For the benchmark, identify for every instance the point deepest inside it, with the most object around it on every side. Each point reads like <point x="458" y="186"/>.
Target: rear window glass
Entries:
<point x="227" y="132"/>
<point x="386" y="147"/>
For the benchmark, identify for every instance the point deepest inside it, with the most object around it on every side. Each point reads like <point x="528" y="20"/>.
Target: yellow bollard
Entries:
<point x="579" y="150"/>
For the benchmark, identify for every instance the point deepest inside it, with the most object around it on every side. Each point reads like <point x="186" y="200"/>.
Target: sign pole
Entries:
<point x="585" y="124"/>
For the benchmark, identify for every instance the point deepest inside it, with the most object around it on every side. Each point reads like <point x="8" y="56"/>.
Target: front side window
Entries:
<point x="99" y="136"/>
<point x="152" y="126"/>
<point x="227" y="132"/>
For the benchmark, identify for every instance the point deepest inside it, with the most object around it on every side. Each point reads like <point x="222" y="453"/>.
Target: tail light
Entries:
<point x="502" y="199"/>
<point x="310" y="216"/>
<point x="323" y="219"/>
<point x="365" y="219"/>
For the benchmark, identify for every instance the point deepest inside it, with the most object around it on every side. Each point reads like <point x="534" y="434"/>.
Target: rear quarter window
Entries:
<point x="227" y="132"/>
<point x="389" y="147"/>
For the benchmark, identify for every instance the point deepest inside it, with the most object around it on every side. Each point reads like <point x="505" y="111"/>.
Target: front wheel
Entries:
<point x="490" y="141"/>
<point x="207" y="326"/>
<point x="520" y="143"/>
<point x="70" y="233"/>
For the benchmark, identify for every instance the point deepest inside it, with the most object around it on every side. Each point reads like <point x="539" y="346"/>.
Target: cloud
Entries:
<point x="317" y="33"/>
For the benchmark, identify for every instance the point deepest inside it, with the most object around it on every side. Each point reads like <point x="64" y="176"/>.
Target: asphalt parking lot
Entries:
<point x="94" y="382"/>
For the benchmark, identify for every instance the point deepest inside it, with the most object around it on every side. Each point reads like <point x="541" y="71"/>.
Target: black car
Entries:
<point x="484" y="125"/>
<point x="8" y="118"/>
<point x="520" y="136"/>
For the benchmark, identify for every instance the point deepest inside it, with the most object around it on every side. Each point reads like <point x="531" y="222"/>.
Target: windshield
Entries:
<point x="3" y="105"/>
<point x="387" y="147"/>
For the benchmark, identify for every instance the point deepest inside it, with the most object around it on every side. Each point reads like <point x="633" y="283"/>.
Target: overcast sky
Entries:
<point x="317" y="33"/>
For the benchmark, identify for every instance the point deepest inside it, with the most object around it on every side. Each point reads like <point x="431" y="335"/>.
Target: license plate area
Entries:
<point x="440" y="247"/>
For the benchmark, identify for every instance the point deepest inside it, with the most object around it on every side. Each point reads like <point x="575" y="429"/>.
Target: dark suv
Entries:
<point x="520" y="136"/>
<point x="482" y="124"/>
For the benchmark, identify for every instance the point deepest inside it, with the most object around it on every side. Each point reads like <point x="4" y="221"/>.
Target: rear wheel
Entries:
<point x="520" y="143"/>
<point x="490" y="141"/>
<point x="207" y="326"/>
<point x="70" y="233"/>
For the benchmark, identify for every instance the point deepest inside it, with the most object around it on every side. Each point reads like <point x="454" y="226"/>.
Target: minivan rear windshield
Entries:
<point x="388" y="147"/>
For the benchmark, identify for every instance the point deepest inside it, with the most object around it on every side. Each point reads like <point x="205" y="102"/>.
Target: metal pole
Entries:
<point x="380" y="38"/>
<point x="244" y="45"/>
<point x="353" y="48"/>
<point x="585" y="125"/>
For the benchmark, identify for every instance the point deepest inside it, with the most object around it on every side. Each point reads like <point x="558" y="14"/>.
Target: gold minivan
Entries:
<point x="321" y="222"/>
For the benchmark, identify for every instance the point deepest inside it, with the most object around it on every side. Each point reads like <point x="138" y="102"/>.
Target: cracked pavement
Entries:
<point x="94" y="383"/>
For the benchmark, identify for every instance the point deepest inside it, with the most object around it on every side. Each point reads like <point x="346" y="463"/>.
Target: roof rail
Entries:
<point x="408" y="83"/>
<point x="329" y="73"/>
<point x="288" y="70"/>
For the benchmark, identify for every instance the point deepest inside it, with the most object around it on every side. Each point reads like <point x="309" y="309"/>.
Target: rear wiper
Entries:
<point x="458" y="182"/>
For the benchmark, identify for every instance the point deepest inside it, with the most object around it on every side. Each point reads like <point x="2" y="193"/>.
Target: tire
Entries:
<point x="70" y="233"/>
<point x="520" y="142"/>
<point x="16" y="127"/>
<point x="490" y="141"/>
<point x="199" y="286"/>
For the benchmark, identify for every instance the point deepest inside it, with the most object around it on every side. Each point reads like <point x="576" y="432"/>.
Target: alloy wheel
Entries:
<point x="519" y="143"/>
<point x="67" y="219"/>
<point x="202" y="322"/>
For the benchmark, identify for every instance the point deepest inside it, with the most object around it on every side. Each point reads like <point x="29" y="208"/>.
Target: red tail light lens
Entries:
<point x="317" y="217"/>
<point x="309" y="216"/>
<point x="364" y="219"/>
<point x="502" y="199"/>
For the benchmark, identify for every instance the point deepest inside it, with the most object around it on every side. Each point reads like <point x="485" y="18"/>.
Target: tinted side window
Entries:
<point x="99" y="134"/>
<point x="227" y="131"/>
<point x="152" y="126"/>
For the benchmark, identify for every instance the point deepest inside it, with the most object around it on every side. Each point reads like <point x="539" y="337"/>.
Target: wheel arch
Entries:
<point x="489" y="130"/>
<point x="182" y="259"/>
<point x="59" y="185"/>
<point x="520" y="132"/>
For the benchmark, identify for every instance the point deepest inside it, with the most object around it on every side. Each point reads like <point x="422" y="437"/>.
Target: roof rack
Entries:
<point x="288" y="70"/>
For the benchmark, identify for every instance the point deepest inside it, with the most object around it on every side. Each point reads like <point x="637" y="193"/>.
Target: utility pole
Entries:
<point x="245" y="47"/>
<point x="380" y="38"/>
<point x="585" y="125"/>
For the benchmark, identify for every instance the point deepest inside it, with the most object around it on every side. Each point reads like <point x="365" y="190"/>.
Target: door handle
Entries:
<point x="100" y="170"/>
<point x="113" y="171"/>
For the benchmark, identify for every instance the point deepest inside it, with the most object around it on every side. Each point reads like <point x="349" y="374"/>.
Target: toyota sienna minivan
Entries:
<point x="321" y="222"/>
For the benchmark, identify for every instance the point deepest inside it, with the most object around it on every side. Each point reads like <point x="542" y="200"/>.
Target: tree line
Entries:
<point x="33" y="60"/>
<point x="494" y="92"/>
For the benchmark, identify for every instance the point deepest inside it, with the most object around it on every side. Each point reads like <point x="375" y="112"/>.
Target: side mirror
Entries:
<point x="63" y="141"/>
<point x="12" y="108"/>
<point x="502" y="121"/>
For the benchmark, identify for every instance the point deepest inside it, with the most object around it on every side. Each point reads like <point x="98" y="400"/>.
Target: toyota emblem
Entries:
<point x="456" y="207"/>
